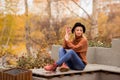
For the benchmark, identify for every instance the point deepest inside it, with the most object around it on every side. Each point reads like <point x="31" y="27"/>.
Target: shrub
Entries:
<point x="39" y="61"/>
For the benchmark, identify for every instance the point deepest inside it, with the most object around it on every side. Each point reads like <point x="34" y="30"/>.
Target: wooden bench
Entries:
<point x="91" y="72"/>
<point x="103" y="65"/>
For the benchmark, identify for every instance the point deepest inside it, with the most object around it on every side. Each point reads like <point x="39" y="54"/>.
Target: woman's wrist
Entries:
<point x="66" y="37"/>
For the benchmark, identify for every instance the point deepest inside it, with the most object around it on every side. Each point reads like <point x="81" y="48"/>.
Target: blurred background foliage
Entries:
<point x="45" y="23"/>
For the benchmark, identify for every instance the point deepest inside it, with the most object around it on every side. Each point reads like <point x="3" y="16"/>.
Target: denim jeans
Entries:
<point x="71" y="58"/>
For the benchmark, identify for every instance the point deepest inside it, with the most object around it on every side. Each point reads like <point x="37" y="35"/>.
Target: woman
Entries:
<point x="75" y="56"/>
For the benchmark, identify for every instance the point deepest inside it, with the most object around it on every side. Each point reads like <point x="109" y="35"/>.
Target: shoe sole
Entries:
<point x="64" y="69"/>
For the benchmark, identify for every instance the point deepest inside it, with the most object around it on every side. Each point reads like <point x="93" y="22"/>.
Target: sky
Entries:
<point x="85" y="4"/>
<point x="22" y="8"/>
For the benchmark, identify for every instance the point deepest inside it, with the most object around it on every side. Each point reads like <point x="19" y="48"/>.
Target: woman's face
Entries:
<point x="78" y="31"/>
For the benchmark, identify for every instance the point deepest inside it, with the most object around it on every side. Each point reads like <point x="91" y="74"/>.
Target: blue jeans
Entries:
<point x="71" y="58"/>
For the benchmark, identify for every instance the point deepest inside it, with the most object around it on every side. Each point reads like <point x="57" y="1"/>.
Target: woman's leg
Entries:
<point x="72" y="60"/>
<point x="53" y="67"/>
<point x="62" y="52"/>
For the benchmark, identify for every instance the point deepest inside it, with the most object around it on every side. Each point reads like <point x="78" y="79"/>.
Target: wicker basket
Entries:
<point x="17" y="74"/>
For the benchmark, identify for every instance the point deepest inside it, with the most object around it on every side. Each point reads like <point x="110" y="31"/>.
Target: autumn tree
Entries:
<point x="27" y="29"/>
<point x="7" y="29"/>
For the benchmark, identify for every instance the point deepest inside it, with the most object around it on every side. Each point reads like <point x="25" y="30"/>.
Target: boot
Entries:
<point x="51" y="67"/>
<point x="64" y="68"/>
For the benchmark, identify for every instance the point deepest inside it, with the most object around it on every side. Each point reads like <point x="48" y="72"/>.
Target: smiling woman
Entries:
<point x="75" y="56"/>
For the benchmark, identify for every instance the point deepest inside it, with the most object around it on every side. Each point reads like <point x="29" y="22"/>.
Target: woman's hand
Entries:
<point x="68" y="31"/>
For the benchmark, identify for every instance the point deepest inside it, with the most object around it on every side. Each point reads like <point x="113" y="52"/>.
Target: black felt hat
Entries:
<point x="78" y="24"/>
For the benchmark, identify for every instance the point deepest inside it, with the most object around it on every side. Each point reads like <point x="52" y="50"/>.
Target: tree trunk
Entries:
<point x="94" y="28"/>
<point x="27" y="28"/>
<point x="49" y="12"/>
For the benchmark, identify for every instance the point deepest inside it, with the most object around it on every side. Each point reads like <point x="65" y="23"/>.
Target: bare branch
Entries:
<point x="75" y="13"/>
<point x="82" y="9"/>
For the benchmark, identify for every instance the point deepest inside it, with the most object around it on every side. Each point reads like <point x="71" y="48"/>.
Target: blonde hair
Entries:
<point x="84" y="36"/>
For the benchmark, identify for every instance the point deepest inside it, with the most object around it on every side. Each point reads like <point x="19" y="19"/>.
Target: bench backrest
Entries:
<point x="98" y="55"/>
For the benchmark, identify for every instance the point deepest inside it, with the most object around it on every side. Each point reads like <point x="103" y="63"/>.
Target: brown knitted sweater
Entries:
<point x="79" y="45"/>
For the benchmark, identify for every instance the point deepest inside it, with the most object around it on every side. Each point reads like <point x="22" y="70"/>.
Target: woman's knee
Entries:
<point x="61" y="49"/>
<point x="71" y="51"/>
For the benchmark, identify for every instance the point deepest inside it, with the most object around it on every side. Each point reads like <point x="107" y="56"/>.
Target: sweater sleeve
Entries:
<point x="65" y="45"/>
<point x="80" y="47"/>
